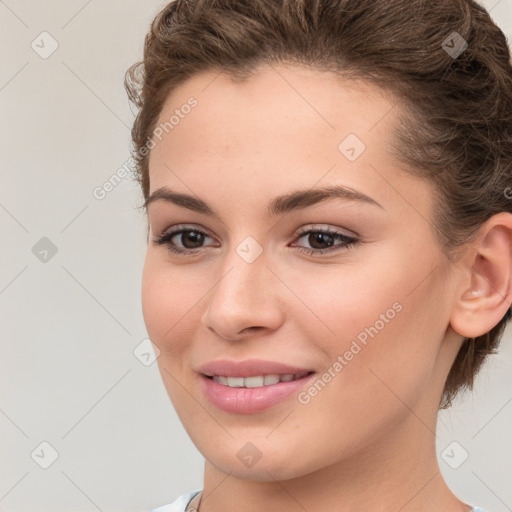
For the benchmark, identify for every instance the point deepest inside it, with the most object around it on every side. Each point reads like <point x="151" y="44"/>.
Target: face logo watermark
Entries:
<point x="44" y="45"/>
<point x="454" y="455"/>
<point x="249" y="454"/>
<point x="454" y="45"/>
<point x="44" y="250"/>
<point x="352" y="147"/>
<point x="44" y="455"/>
<point x="146" y="352"/>
<point x="249" y="249"/>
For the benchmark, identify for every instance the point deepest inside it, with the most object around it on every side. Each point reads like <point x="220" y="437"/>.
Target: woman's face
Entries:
<point x="369" y="318"/>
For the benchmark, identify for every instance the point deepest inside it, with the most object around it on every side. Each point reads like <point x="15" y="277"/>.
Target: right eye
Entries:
<point x="191" y="239"/>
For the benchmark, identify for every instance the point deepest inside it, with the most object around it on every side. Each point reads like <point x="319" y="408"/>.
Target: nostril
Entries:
<point x="249" y="328"/>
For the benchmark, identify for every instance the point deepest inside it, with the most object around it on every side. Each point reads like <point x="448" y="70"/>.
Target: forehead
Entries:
<point x="286" y="125"/>
<point x="303" y="100"/>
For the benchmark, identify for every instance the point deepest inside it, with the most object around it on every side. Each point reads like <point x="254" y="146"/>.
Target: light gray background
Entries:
<point x="69" y="326"/>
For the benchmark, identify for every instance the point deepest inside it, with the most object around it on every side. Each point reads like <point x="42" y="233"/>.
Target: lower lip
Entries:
<point x="251" y="400"/>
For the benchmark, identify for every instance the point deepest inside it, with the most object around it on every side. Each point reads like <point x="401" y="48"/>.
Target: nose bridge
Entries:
<point x="241" y="298"/>
<point x="244" y="276"/>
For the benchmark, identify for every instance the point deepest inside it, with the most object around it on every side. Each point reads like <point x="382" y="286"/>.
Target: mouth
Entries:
<point x="250" y="394"/>
<point x="257" y="381"/>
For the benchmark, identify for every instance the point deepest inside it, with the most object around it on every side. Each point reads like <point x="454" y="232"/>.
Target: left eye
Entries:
<point x="327" y="236"/>
<point x="191" y="240"/>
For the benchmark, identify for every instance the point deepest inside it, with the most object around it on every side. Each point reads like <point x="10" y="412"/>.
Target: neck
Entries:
<point x="398" y="471"/>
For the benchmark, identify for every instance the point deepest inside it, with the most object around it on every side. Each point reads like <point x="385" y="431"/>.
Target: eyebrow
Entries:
<point x="296" y="200"/>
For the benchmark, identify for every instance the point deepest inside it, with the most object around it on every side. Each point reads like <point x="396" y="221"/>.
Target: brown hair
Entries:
<point x="458" y="128"/>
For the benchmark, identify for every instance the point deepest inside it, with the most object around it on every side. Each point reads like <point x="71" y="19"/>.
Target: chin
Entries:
<point x="278" y="469"/>
<point x="262" y="460"/>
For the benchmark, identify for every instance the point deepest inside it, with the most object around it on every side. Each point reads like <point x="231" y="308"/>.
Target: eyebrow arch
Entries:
<point x="297" y="200"/>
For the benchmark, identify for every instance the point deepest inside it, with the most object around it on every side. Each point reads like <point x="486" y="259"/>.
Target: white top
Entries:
<point x="180" y="504"/>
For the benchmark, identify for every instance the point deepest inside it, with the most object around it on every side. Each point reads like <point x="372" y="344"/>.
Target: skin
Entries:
<point x="366" y="441"/>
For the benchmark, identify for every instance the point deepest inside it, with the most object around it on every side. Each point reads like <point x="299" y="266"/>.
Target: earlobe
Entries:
<point x="481" y="305"/>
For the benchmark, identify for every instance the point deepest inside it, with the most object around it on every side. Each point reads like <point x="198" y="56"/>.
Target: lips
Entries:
<point x="249" y="368"/>
<point x="241" y="387"/>
<point x="251" y="400"/>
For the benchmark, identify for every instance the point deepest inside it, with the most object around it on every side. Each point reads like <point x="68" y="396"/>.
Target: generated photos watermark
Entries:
<point x="304" y="397"/>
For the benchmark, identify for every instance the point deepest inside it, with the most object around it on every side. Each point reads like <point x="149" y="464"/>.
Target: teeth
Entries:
<point x="256" y="381"/>
<point x="271" y="379"/>
<point x="251" y="382"/>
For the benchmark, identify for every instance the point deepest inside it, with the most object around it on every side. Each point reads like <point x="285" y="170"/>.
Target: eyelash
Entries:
<point x="347" y="241"/>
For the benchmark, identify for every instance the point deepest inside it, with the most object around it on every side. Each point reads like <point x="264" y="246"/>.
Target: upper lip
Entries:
<point x="248" y="368"/>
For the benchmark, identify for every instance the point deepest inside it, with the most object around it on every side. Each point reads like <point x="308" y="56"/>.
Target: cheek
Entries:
<point x="169" y="304"/>
<point x="386" y="363"/>
<point x="387" y="332"/>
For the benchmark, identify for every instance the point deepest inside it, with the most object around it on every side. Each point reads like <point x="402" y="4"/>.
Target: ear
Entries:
<point x="485" y="291"/>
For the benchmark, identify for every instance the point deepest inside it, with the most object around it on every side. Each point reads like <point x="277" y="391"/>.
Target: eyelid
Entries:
<point x="186" y="227"/>
<point x="313" y="227"/>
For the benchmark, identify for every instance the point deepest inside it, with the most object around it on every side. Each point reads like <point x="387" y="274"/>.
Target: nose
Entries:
<point x="244" y="299"/>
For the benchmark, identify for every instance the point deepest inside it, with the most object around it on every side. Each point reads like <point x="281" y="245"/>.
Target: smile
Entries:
<point x="257" y="380"/>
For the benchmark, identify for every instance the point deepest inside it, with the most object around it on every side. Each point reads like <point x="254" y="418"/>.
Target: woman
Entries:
<point x="327" y="184"/>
